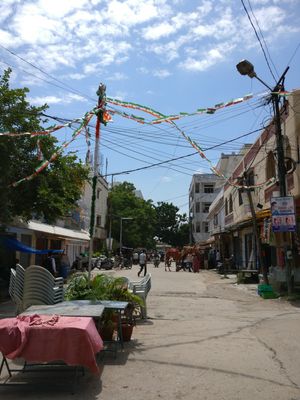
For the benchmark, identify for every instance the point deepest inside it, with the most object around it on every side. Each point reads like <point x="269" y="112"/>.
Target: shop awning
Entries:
<point x="58" y="231"/>
<point x="15" y="245"/>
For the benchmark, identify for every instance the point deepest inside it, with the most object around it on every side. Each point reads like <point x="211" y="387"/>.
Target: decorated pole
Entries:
<point x="101" y="103"/>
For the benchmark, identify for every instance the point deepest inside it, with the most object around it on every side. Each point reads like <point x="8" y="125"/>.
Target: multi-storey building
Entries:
<point x="258" y="169"/>
<point x="216" y="215"/>
<point x="202" y="192"/>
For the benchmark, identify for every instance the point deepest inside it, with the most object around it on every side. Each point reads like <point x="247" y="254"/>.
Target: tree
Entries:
<point x="182" y="237"/>
<point x="139" y="231"/>
<point x="168" y="223"/>
<point x="54" y="191"/>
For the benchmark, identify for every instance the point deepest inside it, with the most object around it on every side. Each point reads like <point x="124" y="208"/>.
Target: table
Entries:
<point x="48" y="338"/>
<point x="75" y="308"/>
<point x="91" y="308"/>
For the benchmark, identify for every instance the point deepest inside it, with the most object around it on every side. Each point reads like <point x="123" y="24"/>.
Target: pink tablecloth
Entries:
<point x="36" y="338"/>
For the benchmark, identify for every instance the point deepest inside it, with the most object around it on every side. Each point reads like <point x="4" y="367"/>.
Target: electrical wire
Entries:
<point x="262" y="36"/>
<point x="258" y="38"/>
<point x="66" y="86"/>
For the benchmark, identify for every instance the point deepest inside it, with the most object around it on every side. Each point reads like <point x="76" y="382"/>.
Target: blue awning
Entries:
<point x="15" y="245"/>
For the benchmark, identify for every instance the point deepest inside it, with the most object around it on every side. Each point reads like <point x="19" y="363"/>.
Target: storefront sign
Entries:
<point x="283" y="214"/>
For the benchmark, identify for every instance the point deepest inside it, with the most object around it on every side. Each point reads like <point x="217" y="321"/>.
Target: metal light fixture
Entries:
<point x="246" y="68"/>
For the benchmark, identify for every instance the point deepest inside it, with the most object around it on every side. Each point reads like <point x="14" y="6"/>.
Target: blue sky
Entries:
<point x="173" y="56"/>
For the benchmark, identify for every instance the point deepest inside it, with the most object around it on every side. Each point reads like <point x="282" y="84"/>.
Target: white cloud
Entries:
<point x="65" y="99"/>
<point x="119" y="95"/>
<point x="158" y="31"/>
<point x="35" y="28"/>
<point x="131" y="12"/>
<point x="117" y="76"/>
<point x="269" y="17"/>
<point x="166" y="179"/>
<point x="60" y="8"/>
<point x="212" y="57"/>
<point x="77" y="76"/>
<point x="91" y="35"/>
<point x="143" y="70"/>
<point x="7" y="39"/>
<point x="45" y="99"/>
<point x="162" y="73"/>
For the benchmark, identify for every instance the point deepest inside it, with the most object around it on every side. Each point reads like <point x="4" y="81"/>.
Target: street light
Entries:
<point x="121" y="228"/>
<point x="110" y="214"/>
<point x="246" y="68"/>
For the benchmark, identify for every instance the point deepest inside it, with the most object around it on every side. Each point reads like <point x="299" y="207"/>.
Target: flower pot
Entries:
<point x="127" y="332"/>
<point x="106" y="332"/>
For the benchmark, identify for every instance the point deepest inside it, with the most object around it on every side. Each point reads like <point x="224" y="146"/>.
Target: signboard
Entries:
<point x="283" y="214"/>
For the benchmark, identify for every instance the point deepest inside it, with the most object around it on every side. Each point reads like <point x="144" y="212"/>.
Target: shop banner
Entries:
<point x="283" y="214"/>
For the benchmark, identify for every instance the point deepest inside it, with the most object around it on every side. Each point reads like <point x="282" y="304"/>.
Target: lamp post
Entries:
<point x="246" y="68"/>
<point x="110" y="212"/>
<point x="121" y="230"/>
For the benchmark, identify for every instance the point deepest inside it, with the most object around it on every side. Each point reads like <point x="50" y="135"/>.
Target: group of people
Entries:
<point x="58" y="266"/>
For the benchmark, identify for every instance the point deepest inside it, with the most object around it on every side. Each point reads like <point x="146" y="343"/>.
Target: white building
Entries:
<point x="203" y="190"/>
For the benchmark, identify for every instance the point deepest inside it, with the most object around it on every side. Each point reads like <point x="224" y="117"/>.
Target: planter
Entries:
<point x="127" y="332"/>
<point x="106" y="332"/>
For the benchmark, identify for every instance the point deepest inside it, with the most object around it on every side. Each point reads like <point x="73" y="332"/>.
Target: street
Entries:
<point x="206" y="338"/>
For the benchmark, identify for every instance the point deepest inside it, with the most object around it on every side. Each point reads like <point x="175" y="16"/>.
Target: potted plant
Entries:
<point x="106" y="287"/>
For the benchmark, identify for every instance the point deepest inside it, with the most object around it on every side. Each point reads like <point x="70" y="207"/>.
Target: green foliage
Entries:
<point x="168" y="224"/>
<point x="138" y="232"/>
<point x="162" y="221"/>
<point x="103" y="287"/>
<point x="53" y="192"/>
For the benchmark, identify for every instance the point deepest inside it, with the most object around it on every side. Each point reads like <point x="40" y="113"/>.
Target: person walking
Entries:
<point x="156" y="260"/>
<point x="50" y="264"/>
<point x="196" y="262"/>
<point x="143" y="262"/>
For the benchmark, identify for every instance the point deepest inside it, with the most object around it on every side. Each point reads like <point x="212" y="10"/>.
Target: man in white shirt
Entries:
<point x="143" y="262"/>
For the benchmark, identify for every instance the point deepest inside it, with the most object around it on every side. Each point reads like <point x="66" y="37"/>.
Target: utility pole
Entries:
<point x="257" y="253"/>
<point x="101" y="92"/>
<point x="246" y="68"/>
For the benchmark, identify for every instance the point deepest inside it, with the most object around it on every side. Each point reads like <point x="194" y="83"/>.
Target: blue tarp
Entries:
<point x="14" y="244"/>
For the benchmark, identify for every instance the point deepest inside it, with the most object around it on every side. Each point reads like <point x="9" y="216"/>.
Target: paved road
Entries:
<point x="206" y="338"/>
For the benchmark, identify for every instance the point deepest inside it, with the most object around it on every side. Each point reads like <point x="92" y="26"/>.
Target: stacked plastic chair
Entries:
<point x="16" y="285"/>
<point x="12" y="284"/>
<point x="40" y="287"/>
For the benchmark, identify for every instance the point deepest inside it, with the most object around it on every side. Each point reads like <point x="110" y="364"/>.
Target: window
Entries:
<point x="98" y="193"/>
<point x="250" y="178"/>
<point x="98" y="220"/>
<point x="208" y="188"/>
<point x="197" y="207"/>
<point x="205" y="208"/>
<point x="270" y="166"/>
<point x="197" y="187"/>
<point x="216" y="220"/>
<point x="198" y="227"/>
<point x="230" y="204"/>
<point x="288" y="158"/>
<point x="205" y="227"/>
<point x="226" y="207"/>
<point x="240" y="196"/>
